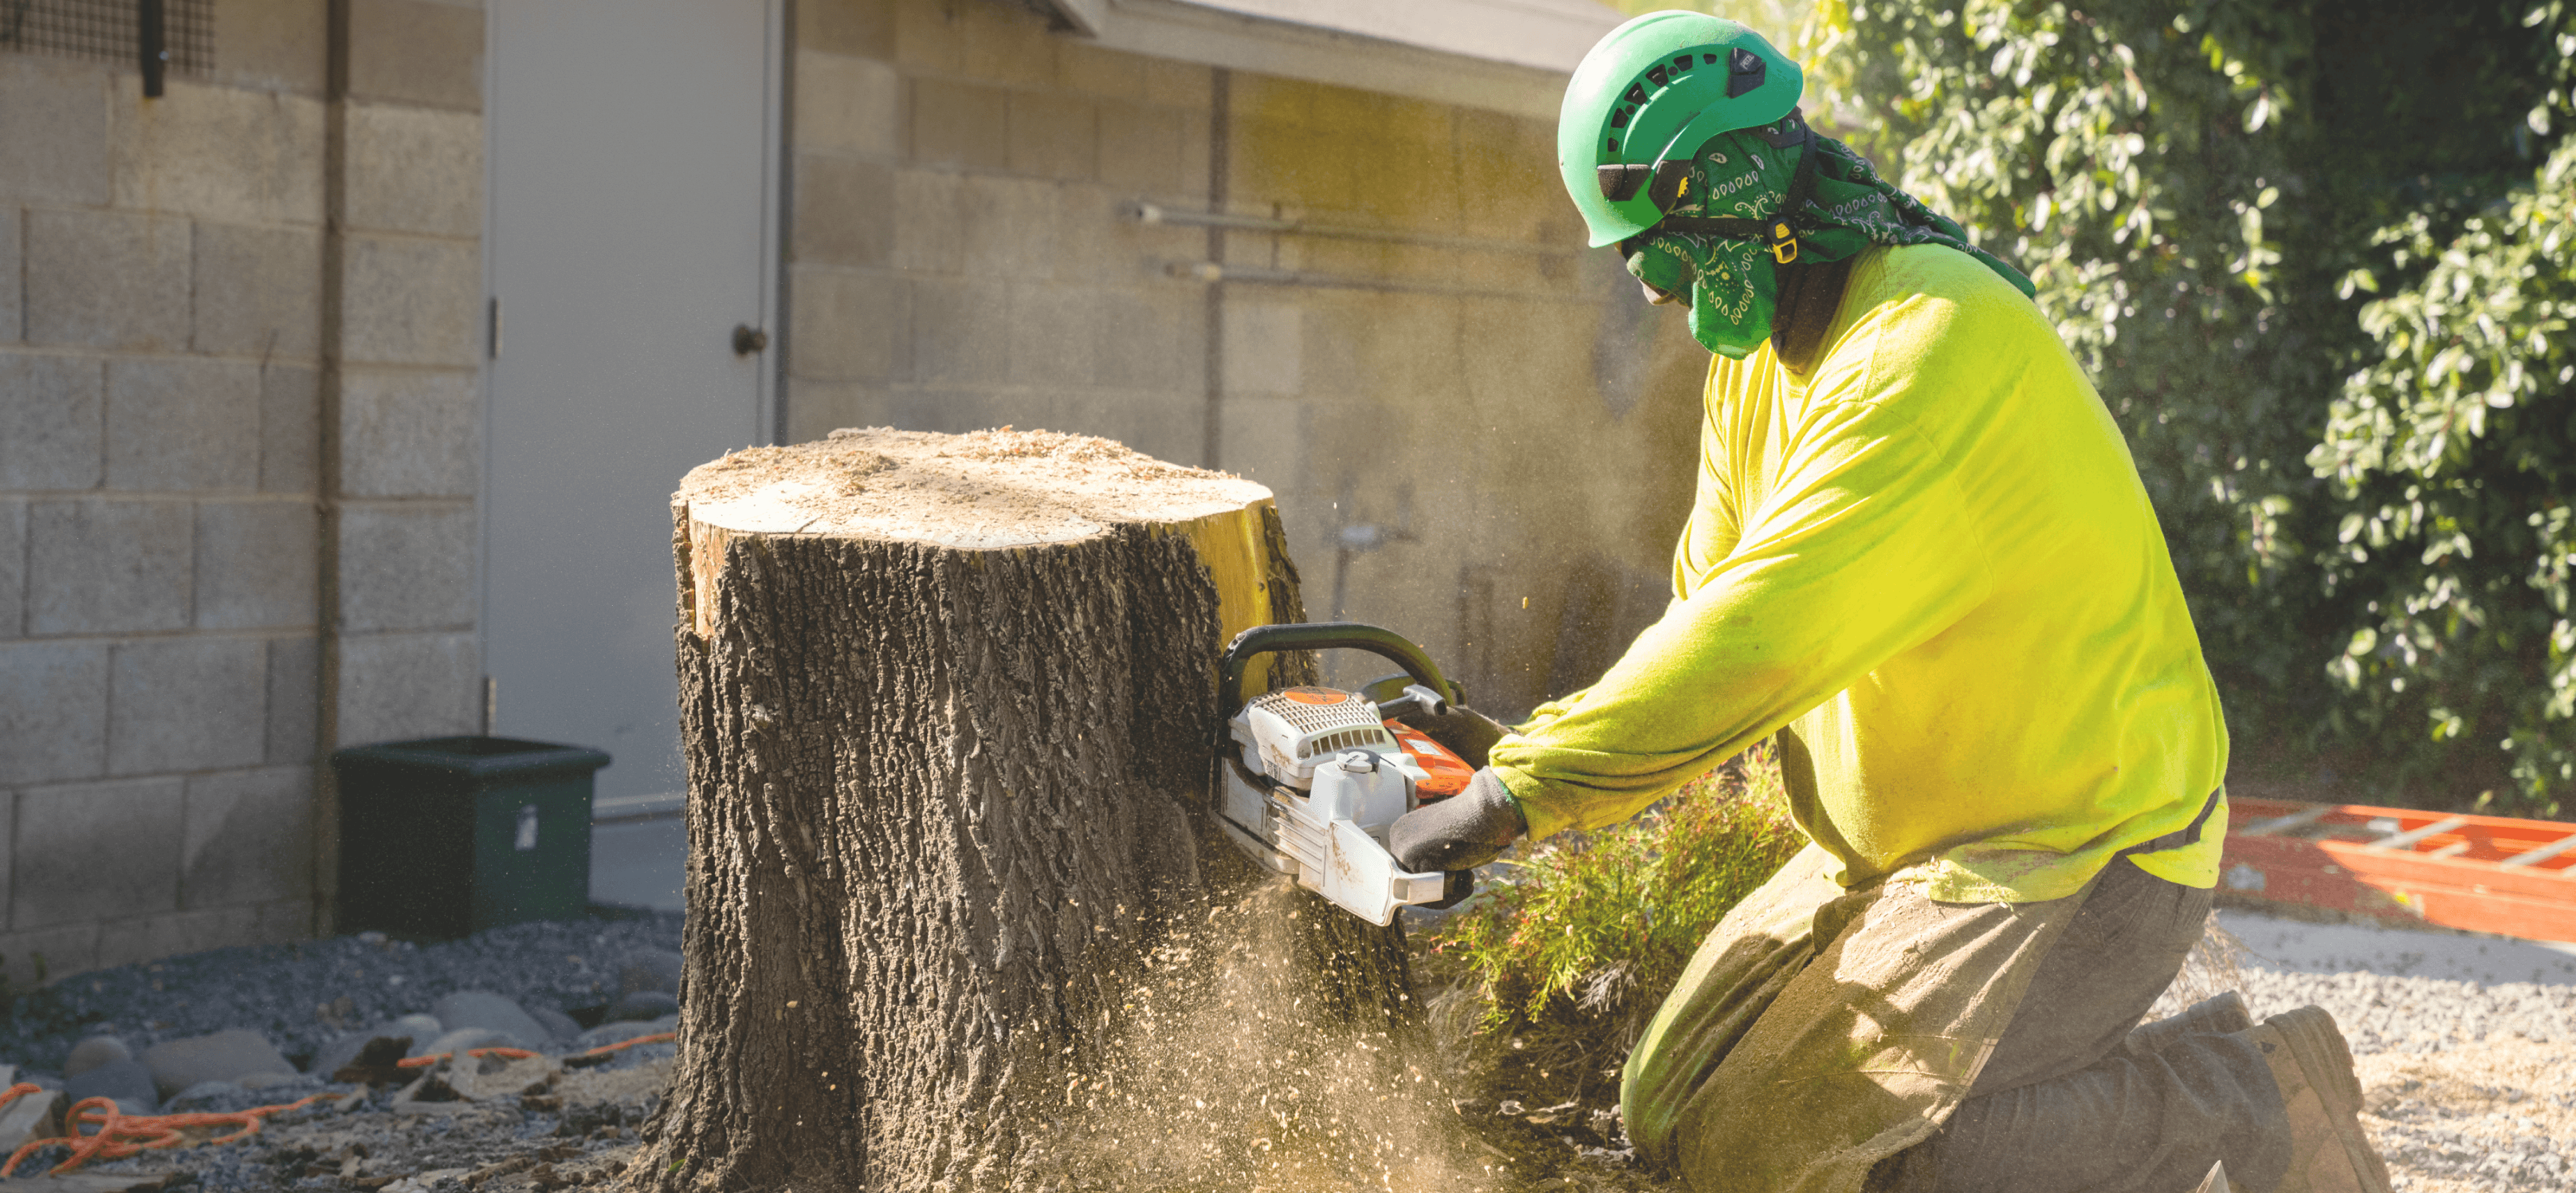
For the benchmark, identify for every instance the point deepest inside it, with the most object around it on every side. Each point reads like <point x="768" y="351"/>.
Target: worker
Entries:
<point x="1922" y="561"/>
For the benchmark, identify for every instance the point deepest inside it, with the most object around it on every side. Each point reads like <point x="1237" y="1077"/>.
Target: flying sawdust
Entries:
<point x="1232" y="1074"/>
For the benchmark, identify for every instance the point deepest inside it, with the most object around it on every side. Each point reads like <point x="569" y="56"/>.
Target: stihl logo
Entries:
<point x="1316" y="695"/>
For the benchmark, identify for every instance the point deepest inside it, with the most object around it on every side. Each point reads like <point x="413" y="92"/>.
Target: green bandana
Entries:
<point x="1739" y="175"/>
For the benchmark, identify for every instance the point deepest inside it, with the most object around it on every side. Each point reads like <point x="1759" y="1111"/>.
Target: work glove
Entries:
<point x="1459" y="833"/>
<point x="1464" y="731"/>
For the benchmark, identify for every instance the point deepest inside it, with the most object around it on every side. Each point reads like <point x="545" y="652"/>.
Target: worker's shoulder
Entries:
<point x="1935" y="287"/>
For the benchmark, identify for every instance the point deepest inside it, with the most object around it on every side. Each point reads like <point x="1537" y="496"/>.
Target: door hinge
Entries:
<point x="492" y="331"/>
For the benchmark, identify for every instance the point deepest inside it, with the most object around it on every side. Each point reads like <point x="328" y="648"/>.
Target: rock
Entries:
<point x="558" y="1025"/>
<point x="336" y="1055"/>
<point x="491" y="1012"/>
<point x="123" y="1080"/>
<point x="459" y="1041"/>
<point x="205" y="1095"/>
<point x="642" y="1006"/>
<point x="93" y="1052"/>
<point x="29" y="1116"/>
<point x="650" y="969"/>
<point x="260" y="1081"/>
<point x="178" y="1064"/>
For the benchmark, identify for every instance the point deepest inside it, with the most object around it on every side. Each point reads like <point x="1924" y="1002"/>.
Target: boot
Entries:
<point x="2313" y="1067"/>
<point x="2219" y="1015"/>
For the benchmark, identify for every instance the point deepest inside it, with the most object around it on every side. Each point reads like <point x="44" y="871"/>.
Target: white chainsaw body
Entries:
<point x="1338" y="778"/>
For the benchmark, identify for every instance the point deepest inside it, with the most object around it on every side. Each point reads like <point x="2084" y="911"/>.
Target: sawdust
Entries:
<point x="1231" y="1076"/>
<point x="981" y="490"/>
<point x="2499" y="1114"/>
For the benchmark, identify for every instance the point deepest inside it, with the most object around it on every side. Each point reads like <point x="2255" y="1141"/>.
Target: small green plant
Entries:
<point x="1581" y="943"/>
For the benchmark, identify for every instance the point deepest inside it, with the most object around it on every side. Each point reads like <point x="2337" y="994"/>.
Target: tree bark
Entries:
<point x="947" y="704"/>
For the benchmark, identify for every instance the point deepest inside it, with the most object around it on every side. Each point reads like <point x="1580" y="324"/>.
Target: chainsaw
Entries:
<point x="1307" y="779"/>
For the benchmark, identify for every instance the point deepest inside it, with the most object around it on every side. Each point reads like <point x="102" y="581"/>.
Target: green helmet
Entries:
<point x="1647" y="97"/>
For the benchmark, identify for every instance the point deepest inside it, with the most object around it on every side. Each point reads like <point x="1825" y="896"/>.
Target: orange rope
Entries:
<point x="120" y="1135"/>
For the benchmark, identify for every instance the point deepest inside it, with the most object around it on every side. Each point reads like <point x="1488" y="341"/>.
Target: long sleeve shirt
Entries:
<point x="1931" y="561"/>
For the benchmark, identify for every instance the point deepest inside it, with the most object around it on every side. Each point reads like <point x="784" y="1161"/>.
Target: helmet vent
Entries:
<point x="1744" y="70"/>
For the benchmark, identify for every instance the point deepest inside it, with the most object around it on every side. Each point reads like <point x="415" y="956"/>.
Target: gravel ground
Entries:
<point x="304" y="995"/>
<point x="2470" y="1082"/>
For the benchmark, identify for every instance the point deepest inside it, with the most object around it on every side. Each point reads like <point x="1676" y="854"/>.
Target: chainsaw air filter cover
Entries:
<point x="1298" y="728"/>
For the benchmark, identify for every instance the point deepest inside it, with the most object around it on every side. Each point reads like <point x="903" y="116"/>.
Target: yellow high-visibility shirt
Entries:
<point x="1931" y="558"/>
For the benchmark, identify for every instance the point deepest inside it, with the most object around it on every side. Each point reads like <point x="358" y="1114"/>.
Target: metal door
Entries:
<point x="633" y="166"/>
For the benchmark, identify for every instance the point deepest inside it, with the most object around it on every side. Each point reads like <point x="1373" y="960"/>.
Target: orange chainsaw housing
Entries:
<point x="1449" y="773"/>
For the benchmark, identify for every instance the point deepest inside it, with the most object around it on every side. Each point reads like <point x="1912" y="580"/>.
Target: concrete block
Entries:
<point x="294" y="693"/>
<point x="255" y="564"/>
<point x="817" y="408"/>
<point x="1013" y="225"/>
<point x="96" y="566"/>
<point x="52" y="422"/>
<point x="53" y="146"/>
<point x="1184" y="85"/>
<point x="13" y="308"/>
<point x="952" y="340"/>
<point x="220" y="152"/>
<point x="1264" y="348"/>
<point x="184" y="424"/>
<point x="960" y="124"/>
<point x="194" y="703"/>
<point x="858" y="28"/>
<point x="413" y="302"/>
<point x="53" y="711"/>
<point x="1053" y="135"/>
<point x="1265" y="439"/>
<point x="284" y="921"/>
<point x="416" y="52"/>
<point x="1154" y="339"/>
<point x="409" y="434"/>
<point x="406" y="567"/>
<point x="274" y="45"/>
<point x="396" y="686"/>
<point x="247" y="838"/>
<point x="930" y="209"/>
<point x="258" y="291"/>
<point x="1140" y="148"/>
<point x="95" y="851"/>
<point x="415" y="170"/>
<point x="929" y="35"/>
<point x="33" y="958"/>
<point x="1108" y="74"/>
<point x="849" y="326"/>
<point x="844" y="211"/>
<point x="13" y="566"/>
<point x="290" y="429"/>
<point x="151" y="937"/>
<point x="848" y="105"/>
<point x="1055" y="335"/>
<point x="1006" y="43"/>
<point x="114" y="279"/>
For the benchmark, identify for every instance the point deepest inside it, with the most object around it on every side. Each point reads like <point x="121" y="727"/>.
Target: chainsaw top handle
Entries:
<point x="1320" y="635"/>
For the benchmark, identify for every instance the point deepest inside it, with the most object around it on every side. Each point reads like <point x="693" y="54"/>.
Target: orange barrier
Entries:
<point x="120" y="1135"/>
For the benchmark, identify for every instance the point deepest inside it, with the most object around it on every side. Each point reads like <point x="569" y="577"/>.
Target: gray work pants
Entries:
<point x="2060" y="1106"/>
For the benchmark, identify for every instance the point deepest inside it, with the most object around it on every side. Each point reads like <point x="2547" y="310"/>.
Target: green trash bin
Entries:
<point x="446" y="836"/>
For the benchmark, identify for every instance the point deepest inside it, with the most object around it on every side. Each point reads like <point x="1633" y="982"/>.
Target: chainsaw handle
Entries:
<point x="1320" y="635"/>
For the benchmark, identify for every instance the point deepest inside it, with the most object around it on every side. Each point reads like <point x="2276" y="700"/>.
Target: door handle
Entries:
<point x="748" y="339"/>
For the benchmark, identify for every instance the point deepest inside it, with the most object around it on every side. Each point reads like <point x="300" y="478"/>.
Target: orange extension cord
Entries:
<point x="120" y="1135"/>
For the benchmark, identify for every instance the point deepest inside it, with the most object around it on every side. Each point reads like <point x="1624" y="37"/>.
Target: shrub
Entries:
<point x="1590" y="931"/>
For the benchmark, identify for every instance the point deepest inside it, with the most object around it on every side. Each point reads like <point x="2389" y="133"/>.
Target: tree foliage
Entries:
<point x="2360" y="488"/>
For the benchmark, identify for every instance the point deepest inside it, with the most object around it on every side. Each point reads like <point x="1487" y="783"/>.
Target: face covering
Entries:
<point x="1734" y="282"/>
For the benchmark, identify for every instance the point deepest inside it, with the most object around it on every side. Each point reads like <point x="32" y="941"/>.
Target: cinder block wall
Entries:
<point x="236" y="463"/>
<point x="958" y="258"/>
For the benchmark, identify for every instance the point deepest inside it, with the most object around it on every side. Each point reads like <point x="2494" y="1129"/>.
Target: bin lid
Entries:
<point x="473" y="756"/>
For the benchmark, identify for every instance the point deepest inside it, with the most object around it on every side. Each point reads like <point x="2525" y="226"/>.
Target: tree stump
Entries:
<point x="948" y="704"/>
